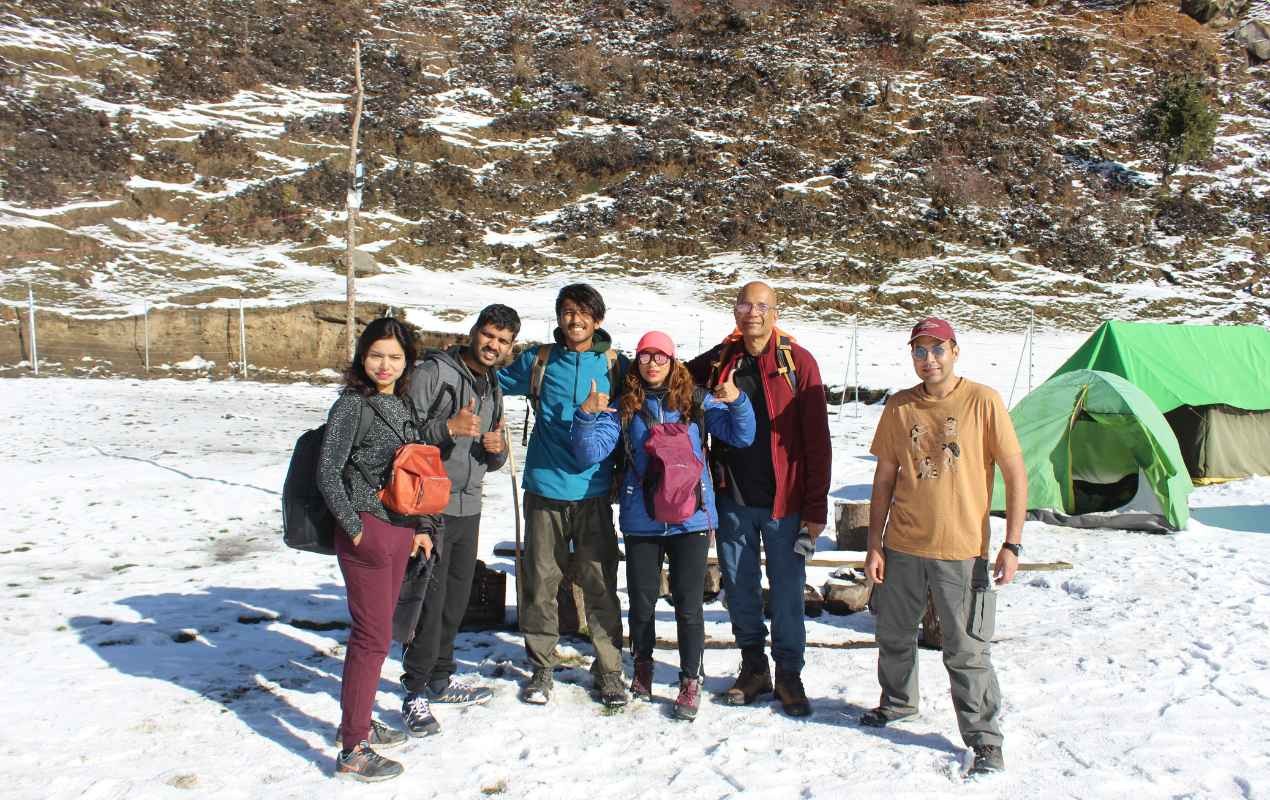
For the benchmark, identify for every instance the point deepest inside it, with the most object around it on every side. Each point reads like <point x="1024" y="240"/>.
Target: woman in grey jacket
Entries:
<point x="373" y="544"/>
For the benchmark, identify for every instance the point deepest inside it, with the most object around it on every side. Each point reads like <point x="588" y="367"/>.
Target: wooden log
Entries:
<point x="852" y="524"/>
<point x="813" y="603"/>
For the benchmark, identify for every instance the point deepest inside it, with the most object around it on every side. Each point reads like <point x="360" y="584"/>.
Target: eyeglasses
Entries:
<point x="660" y="359"/>
<point x="745" y="308"/>
<point x="920" y="353"/>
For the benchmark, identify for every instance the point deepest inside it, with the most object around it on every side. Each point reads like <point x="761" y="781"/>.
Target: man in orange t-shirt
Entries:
<point x="937" y="445"/>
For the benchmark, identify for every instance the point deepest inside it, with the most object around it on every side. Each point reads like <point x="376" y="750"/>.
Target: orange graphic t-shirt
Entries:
<point x="947" y="450"/>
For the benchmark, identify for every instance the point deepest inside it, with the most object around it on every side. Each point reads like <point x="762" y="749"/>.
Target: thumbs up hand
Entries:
<point x="727" y="392"/>
<point x="493" y="442"/>
<point x="465" y="423"/>
<point x="596" y="402"/>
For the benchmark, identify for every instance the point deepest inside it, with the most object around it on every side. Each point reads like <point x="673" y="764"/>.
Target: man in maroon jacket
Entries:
<point x="769" y="493"/>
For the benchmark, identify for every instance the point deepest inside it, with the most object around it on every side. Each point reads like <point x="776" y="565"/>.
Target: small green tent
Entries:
<point x="1098" y="454"/>
<point x="1211" y="382"/>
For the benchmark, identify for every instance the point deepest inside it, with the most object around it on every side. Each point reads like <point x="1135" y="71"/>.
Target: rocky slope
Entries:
<point x="874" y="158"/>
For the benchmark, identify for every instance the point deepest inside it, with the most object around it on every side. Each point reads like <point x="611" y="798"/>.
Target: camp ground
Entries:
<point x="1118" y="434"/>
<point x="162" y="642"/>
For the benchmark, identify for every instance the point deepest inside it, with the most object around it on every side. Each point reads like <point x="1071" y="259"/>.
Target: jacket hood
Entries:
<point x="600" y="342"/>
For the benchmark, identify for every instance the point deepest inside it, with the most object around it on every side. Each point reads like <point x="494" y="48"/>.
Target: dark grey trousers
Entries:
<point x="965" y="604"/>
<point x="553" y="528"/>
<point x="430" y="655"/>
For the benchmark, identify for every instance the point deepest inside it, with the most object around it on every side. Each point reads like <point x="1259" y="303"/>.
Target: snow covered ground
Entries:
<point x="159" y="641"/>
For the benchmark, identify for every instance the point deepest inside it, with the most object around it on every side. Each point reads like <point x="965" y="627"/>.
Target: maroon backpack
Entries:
<point x="672" y="483"/>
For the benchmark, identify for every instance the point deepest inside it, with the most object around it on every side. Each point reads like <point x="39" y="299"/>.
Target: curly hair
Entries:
<point x="679" y="397"/>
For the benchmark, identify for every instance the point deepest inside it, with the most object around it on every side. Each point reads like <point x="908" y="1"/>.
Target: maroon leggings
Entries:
<point x="372" y="574"/>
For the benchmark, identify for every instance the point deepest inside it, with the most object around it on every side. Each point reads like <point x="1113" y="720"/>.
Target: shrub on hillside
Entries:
<point x="56" y="149"/>
<point x="615" y="153"/>
<point x="1184" y="215"/>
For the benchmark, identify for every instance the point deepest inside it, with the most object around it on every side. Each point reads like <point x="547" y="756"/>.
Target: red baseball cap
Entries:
<point x="934" y="327"/>
<point x="656" y="340"/>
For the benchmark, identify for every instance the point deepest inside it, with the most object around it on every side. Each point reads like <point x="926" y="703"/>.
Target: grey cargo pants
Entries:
<point x="553" y="528"/>
<point x="966" y="607"/>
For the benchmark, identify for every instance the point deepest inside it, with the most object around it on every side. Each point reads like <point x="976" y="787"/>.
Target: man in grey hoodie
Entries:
<point x="459" y="392"/>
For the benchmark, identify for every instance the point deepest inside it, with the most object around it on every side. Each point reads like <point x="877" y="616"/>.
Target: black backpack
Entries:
<point x="307" y="524"/>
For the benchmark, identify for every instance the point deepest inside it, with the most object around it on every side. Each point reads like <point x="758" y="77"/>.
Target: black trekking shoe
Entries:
<point x="537" y="691"/>
<point x="880" y="717"/>
<point x="450" y="692"/>
<point x="611" y="687"/>
<point x="988" y="759"/>
<point x="417" y="715"/>
<point x="381" y="736"/>
<point x="365" y="765"/>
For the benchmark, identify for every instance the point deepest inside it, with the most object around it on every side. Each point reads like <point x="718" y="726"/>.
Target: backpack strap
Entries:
<point x="785" y="366"/>
<point x="364" y="421"/>
<point x="536" y="374"/>
<point x="716" y="366"/>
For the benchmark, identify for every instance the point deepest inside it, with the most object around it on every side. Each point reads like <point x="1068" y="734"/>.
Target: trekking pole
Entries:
<point x="511" y="466"/>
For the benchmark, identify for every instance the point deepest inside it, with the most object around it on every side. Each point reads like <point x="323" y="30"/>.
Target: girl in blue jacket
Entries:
<point x="661" y="390"/>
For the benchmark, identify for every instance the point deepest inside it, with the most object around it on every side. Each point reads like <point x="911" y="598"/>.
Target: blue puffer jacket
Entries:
<point x="550" y="468"/>
<point x="595" y="436"/>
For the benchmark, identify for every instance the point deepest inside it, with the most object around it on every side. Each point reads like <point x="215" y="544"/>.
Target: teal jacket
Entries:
<point x="550" y="468"/>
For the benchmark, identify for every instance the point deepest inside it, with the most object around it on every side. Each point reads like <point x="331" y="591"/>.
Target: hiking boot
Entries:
<point x="381" y="736"/>
<point x="417" y="715"/>
<point x="789" y="690"/>
<point x="365" y="765"/>
<point x="458" y="694"/>
<point x="881" y="717"/>
<point x="612" y="689"/>
<point x="689" y="699"/>
<point x="538" y="690"/>
<point x="988" y="759"/>
<point x="642" y="683"/>
<point x="754" y="679"/>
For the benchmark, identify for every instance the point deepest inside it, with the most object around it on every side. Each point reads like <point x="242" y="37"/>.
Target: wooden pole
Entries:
<point x="354" y="204"/>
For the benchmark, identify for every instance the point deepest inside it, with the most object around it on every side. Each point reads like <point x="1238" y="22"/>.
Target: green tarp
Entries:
<point x="1087" y="428"/>
<point x="1183" y="365"/>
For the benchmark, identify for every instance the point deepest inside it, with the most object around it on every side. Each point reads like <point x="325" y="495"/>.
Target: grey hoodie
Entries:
<point x="441" y="385"/>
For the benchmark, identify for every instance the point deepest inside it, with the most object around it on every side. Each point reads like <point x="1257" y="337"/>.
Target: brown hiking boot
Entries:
<point x="642" y="683"/>
<point x="754" y="679"/>
<point x="789" y="690"/>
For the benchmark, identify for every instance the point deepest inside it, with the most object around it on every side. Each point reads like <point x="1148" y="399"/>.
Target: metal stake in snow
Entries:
<point x="145" y="330"/>
<point x="30" y="315"/>
<point x="242" y="337"/>
<point x="354" y="204"/>
<point x="853" y="360"/>
<point x="701" y="334"/>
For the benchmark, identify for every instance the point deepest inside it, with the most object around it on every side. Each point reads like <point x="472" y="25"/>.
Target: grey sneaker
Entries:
<point x="538" y="690"/>
<point x="381" y="736"/>
<point x="458" y="694"/>
<point x="881" y="717"/>
<point x="988" y="759"/>
<point x="417" y="715"/>
<point x="612" y="689"/>
<point x="365" y="765"/>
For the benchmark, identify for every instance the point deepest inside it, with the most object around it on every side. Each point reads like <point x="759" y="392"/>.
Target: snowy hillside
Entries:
<point x="161" y="642"/>
<point x="866" y="154"/>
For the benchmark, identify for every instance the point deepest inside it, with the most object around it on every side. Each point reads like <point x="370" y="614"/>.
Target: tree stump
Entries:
<point x="932" y="637"/>
<point x="852" y="523"/>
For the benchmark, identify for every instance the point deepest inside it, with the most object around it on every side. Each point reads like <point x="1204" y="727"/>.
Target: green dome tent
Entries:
<point x="1210" y="381"/>
<point x="1098" y="454"/>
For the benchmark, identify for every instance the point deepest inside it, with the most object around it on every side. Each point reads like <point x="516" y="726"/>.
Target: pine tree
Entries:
<point x="1180" y="125"/>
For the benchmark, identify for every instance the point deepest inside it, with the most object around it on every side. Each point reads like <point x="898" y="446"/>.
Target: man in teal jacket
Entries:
<point x="567" y="508"/>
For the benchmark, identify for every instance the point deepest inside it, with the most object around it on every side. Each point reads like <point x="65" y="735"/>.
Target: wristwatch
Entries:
<point x="1017" y="549"/>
